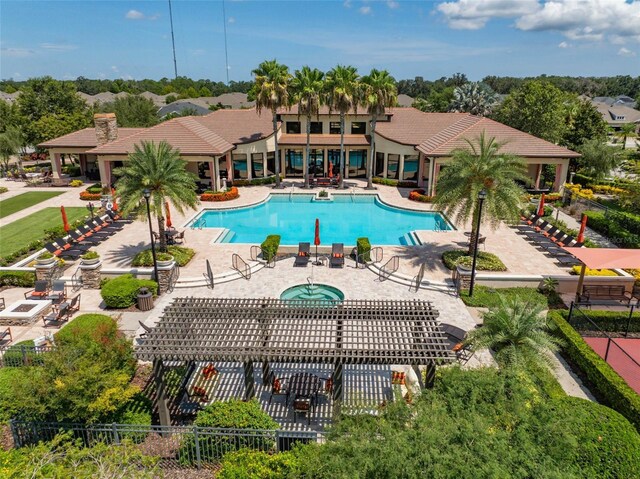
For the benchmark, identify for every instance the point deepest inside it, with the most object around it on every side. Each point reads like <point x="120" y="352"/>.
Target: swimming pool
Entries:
<point x="342" y="220"/>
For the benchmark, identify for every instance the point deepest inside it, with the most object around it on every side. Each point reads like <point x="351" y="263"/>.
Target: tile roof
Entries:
<point x="404" y="100"/>
<point x="324" y="140"/>
<point x="239" y="126"/>
<point x="410" y="126"/>
<point x="85" y="138"/>
<point x="611" y="112"/>
<point x="324" y="110"/>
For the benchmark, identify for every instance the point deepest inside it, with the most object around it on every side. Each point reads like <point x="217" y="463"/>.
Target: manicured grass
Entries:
<point x="25" y="200"/>
<point x="484" y="297"/>
<point x="32" y="228"/>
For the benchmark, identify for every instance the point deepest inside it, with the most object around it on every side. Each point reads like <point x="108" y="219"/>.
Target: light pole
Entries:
<point x="481" y="197"/>
<point x="90" y="208"/>
<point x="147" y="195"/>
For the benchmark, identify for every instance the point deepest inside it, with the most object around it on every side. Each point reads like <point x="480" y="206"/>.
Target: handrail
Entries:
<point x="375" y="254"/>
<point x="389" y="268"/>
<point x="173" y="277"/>
<point x="240" y="266"/>
<point x="419" y="276"/>
<point x="199" y="223"/>
<point x="209" y="275"/>
<point x="255" y="252"/>
<point x="76" y="280"/>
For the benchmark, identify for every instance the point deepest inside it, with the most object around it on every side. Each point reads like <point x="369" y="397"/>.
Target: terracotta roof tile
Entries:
<point x="239" y="126"/>
<point x="85" y="138"/>
<point x="324" y="140"/>
<point x="324" y="110"/>
<point x="410" y="126"/>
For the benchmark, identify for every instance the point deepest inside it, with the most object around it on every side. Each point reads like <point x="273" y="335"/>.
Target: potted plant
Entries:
<point x="45" y="259"/>
<point x="164" y="259"/>
<point x="90" y="257"/>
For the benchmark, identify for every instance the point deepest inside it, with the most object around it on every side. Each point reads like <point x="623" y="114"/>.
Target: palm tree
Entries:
<point x="475" y="98"/>
<point x="479" y="167"/>
<point x="627" y="130"/>
<point x="379" y="93"/>
<point x="158" y="168"/>
<point x="308" y="88"/>
<point x="342" y="95"/>
<point x="518" y="332"/>
<point x="271" y="90"/>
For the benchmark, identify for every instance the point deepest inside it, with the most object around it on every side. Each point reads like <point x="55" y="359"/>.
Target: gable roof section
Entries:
<point x="410" y="126"/>
<point x="238" y="126"/>
<point x="85" y="138"/>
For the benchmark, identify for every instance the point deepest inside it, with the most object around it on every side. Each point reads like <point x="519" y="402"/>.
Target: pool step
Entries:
<point x="408" y="280"/>
<point x="226" y="277"/>
<point x="226" y="236"/>
<point x="410" y="239"/>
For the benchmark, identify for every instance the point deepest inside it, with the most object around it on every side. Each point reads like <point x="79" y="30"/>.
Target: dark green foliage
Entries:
<point x="389" y="182"/>
<point x="122" y="292"/>
<point x="72" y="170"/>
<point x="256" y="181"/>
<point x="137" y="411"/>
<point x="23" y="279"/>
<point x="132" y="111"/>
<point x="364" y="249"/>
<point x="611" y="321"/>
<point x="612" y="230"/>
<point x="180" y="254"/>
<point x="249" y="464"/>
<point x="485" y="261"/>
<point x="269" y="247"/>
<point x="585" y="123"/>
<point x="8" y="377"/>
<point x="95" y="189"/>
<point x="22" y="354"/>
<point x="628" y="221"/>
<point x="605" y="382"/>
<point x="485" y="297"/>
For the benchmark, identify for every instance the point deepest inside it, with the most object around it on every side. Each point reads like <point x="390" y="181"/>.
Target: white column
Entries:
<point x="346" y="162"/>
<point x="401" y="168"/>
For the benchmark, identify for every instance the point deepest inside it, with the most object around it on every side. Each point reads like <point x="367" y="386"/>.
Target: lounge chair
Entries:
<point x="337" y="255"/>
<point x="80" y="239"/>
<point x="71" y="245"/>
<point x="72" y="306"/>
<point x="57" y="315"/>
<point x="41" y="290"/>
<point x="304" y="254"/>
<point x="58" y="291"/>
<point x="53" y="249"/>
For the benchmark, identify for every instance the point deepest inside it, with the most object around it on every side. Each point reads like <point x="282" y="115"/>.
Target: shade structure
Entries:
<point x="583" y="225"/>
<point x="65" y="222"/>
<point x="330" y="170"/>
<point x="541" y="206"/>
<point x="114" y="203"/>
<point x="168" y="212"/>
<point x="607" y="258"/>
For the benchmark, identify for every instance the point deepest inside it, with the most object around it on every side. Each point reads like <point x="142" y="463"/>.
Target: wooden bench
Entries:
<point x="591" y="293"/>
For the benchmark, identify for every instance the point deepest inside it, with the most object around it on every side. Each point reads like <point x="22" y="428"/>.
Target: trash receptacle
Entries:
<point x="145" y="299"/>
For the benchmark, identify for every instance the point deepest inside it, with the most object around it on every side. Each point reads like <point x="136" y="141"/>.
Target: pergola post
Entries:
<point x="416" y="369"/>
<point x="430" y="376"/>
<point x="266" y="373"/>
<point x="161" y="396"/>
<point x="249" y="384"/>
<point x="338" y="389"/>
<point x="583" y="271"/>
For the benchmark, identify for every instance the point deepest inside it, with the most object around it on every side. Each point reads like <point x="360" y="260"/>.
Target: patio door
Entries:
<point x="316" y="162"/>
<point x="293" y="162"/>
<point x="334" y="159"/>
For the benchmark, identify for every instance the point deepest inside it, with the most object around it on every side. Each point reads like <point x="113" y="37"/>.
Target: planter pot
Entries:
<point x="165" y="264"/>
<point x="89" y="262"/>
<point x="45" y="261"/>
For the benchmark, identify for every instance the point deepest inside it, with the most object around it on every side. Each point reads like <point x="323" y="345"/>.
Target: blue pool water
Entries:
<point x="341" y="221"/>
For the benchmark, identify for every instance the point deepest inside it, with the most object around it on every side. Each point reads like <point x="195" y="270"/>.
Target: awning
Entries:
<point x="607" y="258"/>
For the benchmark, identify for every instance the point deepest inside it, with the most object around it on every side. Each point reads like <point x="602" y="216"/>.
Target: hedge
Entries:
<point x="628" y="221"/>
<point x="485" y="261"/>
<point x="485" y="297"/>
<point x="122" y="292"/>
<point x="608" y="385"/>
<point x="256" y="181"/>
<point x="388" y="182"/>
<point x="232" y="194"/>
<point x="270" y="247"/>
<point x="23" y="279"/>
<point x="613" y="231"/>
<point x="180" y="254"/>
<point x="610" y="321"/>
<point x="420" y="196"/>
<point x="364" y="249"/>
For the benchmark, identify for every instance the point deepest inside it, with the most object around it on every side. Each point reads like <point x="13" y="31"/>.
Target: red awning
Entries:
<point x="607" y="258"/>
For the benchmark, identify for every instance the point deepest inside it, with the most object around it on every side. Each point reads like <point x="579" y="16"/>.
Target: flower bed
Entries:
<point x="86" y="196"/>
<point x="419" y="195"/>
<point x="231" y="194"/>
<point x="593" y="272"/>
<point x="485" y="261"/>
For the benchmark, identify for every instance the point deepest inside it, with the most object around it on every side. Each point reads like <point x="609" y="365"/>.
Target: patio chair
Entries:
<point x="463" y="352"/>
<point x="279" y="388"/>
<point x="568" y="260"/>
<point x="4" y="334"/>
<point x="179" y="238"/>
<point x="41" y="290"/>
<point x="58" y="291"/>
<point x="72" y="306"/>
<point x="66" y="245"/>
<point x="80" y="239"/>
<point x="57" y="315"/>
<point x="146" y="329"/>
<point x="304" y="254"/>
<point x="302" y="406"/>
<point x="337" y="255"/>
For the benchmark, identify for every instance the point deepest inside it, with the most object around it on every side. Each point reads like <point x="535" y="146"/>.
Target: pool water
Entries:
<point x="313" y="292"/>
<point x="342" y="220"/>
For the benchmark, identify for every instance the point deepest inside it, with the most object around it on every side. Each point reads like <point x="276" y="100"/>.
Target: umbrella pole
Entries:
<point x="583" y="271"/>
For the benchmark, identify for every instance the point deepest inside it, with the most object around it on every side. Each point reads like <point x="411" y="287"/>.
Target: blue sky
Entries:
<point x="123" y="39"/>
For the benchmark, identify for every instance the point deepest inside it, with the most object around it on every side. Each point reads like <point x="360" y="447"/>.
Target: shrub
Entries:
<point x="232" y="194"/>
<point x="250" y="464"/>
<point x="270" y="247"/>
<point x="122" y="292"/>
<point x="76" y="183"/>
<point x="22" y="252"/>
<point x="485" y="297"/>
<point x="611" y="321"/>
<point x="364" y="249"/>
<point x="3" y="189"/>
<point x="256" y="181"/>
<point x="180" y="254"/>
<point x="234" y="414"/>
<point x="163" y="256"/>
<point x="485" y="261"/>
<point x="22" y="279"/>
<point x="389" y="182"/>
<point x="593" y="272"/>
<point x="8" y="377"/>
<point x="95" y="188"/>
<point x="90" y="255"/>
<point x="612" y="230"/>
<point x="137" y="411"/>
<point x="628" y="221"/>
<point x="606" y="383"/>
<point x="419" y="195"/>
<point x="72" y="170"/>
<point x="46" y="255"/>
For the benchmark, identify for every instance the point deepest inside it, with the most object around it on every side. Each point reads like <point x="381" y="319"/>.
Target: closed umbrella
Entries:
<point x="65" y="222"/>
<point x="114" y="204"/>
<point x="330" y="170"/>
<point x="541" y="207"/>
<point x="166" y="207"/>
<point x="316" y="239"/>
<point x="583" y="226"/>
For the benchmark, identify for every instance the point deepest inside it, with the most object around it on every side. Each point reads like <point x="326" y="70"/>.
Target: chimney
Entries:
<point x="106" y="127"/>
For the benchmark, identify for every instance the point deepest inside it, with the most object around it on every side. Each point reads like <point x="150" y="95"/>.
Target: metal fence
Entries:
<point x="22" y="355"/>
<point x="174" y="446"/>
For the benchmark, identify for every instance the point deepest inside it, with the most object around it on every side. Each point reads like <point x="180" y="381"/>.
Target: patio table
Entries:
<point x="304" y="385"/>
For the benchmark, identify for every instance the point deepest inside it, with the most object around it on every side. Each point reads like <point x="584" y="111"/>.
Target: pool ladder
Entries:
<point x="199" y="223"/>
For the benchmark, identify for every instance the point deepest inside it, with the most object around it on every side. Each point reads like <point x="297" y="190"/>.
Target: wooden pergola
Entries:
<point x="291" y="331"/>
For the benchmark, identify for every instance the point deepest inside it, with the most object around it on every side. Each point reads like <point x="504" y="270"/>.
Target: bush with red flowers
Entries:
<point x="419" y="195"/>
<point x="231" y="194"/>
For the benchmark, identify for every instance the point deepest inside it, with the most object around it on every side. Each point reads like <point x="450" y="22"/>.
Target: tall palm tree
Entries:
<point x="342" y="95"/>
<point x="379" y="92"/>
<point x="308" y="88"/>
<point x="479" y="167"/>
<point x="158" y="168"/>
<point x="475" y="98"/>
<point x="627" y="130"/>
<point x="271" y="88"/>
<point x="518" y="332"/>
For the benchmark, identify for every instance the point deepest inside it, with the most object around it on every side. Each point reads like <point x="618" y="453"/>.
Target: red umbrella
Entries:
<point x="65" y="222"/>
<point x="114" y="204"/>
<point x="330" y="170"/>
<point x="541" y="207"/>
<point x="316" y="239"/>
<point x="583" y="225"/>
<point x="166" y="207"/>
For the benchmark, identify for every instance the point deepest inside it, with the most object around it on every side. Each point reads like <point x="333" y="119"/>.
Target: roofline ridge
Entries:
<point x="202" y="132"/>
<point x="450" y="132"/>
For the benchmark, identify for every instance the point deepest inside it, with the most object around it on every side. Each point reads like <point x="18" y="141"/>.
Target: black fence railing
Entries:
<point x="20" y="355"/>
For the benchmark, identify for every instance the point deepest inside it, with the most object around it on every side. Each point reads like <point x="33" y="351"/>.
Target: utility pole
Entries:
<point x="226" y="54"/>
<point x="173" y="43"/>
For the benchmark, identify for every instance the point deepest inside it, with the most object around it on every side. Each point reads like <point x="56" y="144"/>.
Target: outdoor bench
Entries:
<point x="592" y="293"/>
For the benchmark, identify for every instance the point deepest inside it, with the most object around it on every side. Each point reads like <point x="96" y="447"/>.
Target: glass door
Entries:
<point x="334" y="161"/>
<point x="358" y="164"/>
<point x="316" y="163"/>
<point x="293" y="162"/>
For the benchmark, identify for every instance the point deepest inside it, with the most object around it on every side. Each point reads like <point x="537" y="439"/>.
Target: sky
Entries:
<point x="432" y="39"/>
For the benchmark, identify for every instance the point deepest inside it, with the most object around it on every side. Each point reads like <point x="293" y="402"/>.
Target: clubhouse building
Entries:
<point x="409" y="146"/>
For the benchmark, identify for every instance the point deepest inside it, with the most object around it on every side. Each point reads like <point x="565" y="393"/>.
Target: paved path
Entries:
<point x="589" y="233"/>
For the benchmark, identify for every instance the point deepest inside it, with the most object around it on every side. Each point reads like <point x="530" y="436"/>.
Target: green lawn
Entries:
<point x="25" y="200"/>
<point x="20" y="233"/>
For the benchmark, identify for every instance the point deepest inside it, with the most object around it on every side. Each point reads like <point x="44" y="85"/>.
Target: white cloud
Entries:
<point x="564" y="45"/>
<point x="474" y="14"/>
<point x="58" y="47"/>
<point x="134" y="15"/>
<point x="115" y="69"/>
<point x="16" y="52"/>
<point x="197" y="52"/>
<point x="392" y="4"/>
<point x="231" y="20"/>
<point x="625" y="52"/>
<point x="365" y="10"/>
<point x="347" y="4"/>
